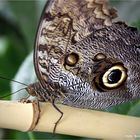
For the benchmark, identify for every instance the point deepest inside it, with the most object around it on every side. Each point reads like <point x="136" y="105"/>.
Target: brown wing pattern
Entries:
<point x="63" y="23"/>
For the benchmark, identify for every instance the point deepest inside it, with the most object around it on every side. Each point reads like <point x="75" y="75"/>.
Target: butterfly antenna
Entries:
<point x="13" y="80"/>
<point x="11" y="93"/>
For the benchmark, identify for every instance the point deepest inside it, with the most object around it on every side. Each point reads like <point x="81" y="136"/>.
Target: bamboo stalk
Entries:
<point x="78" y="122"/>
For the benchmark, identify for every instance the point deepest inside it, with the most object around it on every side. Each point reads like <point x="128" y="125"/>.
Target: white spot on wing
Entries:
<point x="43" y="55"/>
<point x="54" y="61"/>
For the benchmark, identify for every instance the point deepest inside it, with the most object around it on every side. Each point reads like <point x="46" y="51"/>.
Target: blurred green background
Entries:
<point x="18" y="25"/>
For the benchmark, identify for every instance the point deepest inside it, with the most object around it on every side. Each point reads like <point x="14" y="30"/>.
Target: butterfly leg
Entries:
<point x="56" y="123"/>
<point x="25" y="100"/>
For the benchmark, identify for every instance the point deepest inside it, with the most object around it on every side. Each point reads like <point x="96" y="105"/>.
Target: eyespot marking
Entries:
<point x="112" y="78"/>
<point x="71" y="59"/>
<point x="99" y="56"/>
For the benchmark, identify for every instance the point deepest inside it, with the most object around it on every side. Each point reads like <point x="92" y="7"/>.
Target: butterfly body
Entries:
<point x="84" y="60"/>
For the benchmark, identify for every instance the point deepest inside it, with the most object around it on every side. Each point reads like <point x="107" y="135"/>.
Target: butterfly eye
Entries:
<point x="71" y="59"/>
<point x="113" y="78"/>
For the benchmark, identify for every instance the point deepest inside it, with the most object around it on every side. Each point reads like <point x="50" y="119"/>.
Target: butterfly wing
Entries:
<point x="79" y="53"/>
<point x="63" y="23"/>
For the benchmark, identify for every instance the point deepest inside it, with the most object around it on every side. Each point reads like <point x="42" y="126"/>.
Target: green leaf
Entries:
<point x="126" y="108"/>
<point x="26" y="13"/>
<point x="135" y="110"/>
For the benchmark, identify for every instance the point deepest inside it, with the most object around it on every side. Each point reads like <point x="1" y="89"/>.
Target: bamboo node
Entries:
<point x="36" y="115"/>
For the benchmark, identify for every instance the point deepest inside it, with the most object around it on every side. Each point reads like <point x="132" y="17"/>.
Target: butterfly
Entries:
<point x="83" y="59"/>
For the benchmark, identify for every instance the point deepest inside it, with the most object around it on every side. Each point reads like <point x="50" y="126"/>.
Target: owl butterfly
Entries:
<point x="83" y="59"/>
